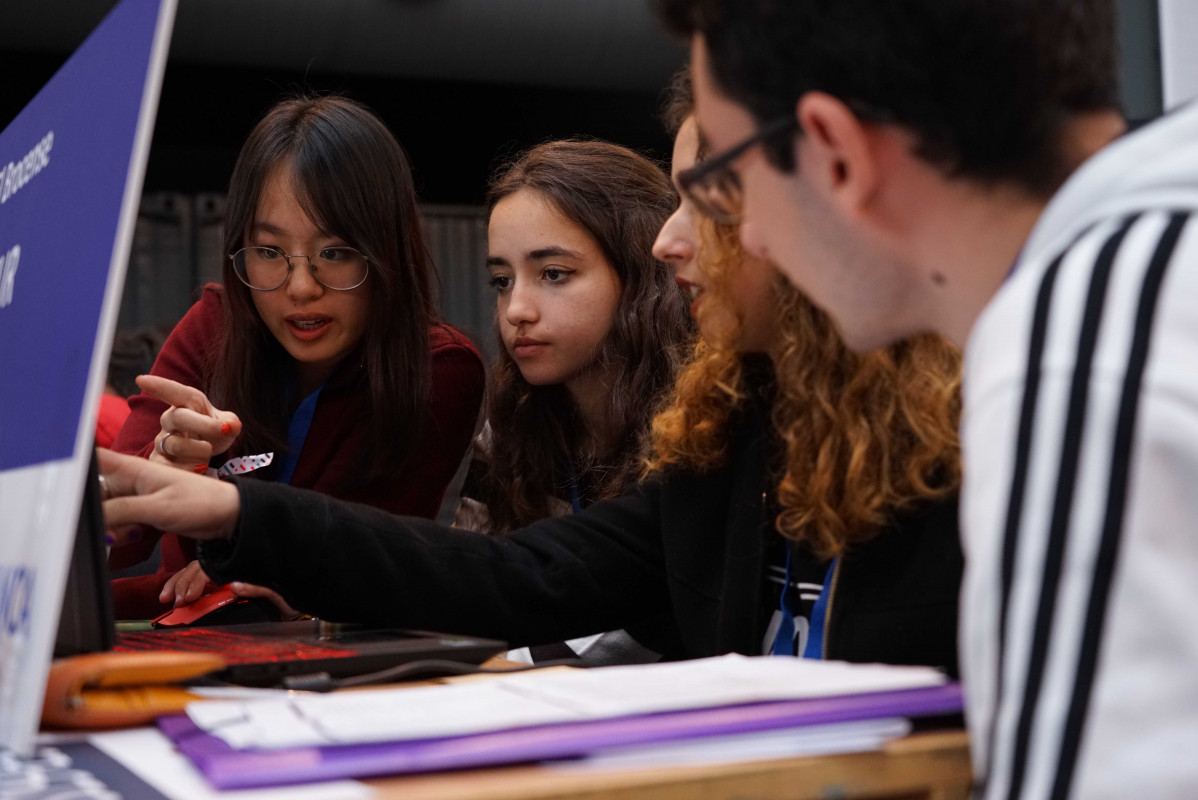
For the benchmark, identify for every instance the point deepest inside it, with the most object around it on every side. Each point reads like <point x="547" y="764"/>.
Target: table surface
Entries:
<point x="923" y="766"/>
<point x="932" y="765"/>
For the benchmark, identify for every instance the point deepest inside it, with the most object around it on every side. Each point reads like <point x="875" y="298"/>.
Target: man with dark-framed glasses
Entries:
<point x="960" y="204"/>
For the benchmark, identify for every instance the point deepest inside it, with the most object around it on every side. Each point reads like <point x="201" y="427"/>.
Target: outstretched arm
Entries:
<point x="560" y="578"/>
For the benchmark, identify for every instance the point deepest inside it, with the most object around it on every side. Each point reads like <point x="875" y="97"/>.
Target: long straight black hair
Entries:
<point x="352" y="179"/>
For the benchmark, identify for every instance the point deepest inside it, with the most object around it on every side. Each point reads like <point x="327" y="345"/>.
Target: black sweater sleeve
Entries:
<point x="557" y="579"/>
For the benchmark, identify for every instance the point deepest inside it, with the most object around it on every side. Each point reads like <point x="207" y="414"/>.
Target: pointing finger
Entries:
<point x="174" y="393"/>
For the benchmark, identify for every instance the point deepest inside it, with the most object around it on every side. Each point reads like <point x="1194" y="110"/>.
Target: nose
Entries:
<point x="301" y="282"/>
<point x="518" y="306"/>
<point x="675" y="244"/>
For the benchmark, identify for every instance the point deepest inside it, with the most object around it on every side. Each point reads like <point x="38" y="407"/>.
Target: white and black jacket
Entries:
<point x="1079" y="638"/>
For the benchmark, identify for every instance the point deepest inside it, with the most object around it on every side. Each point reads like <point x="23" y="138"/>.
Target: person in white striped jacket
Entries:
<point x="926" y="166"/>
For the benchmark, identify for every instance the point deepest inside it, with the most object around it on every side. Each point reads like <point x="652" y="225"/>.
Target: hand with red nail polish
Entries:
<point x="193" y="430"/>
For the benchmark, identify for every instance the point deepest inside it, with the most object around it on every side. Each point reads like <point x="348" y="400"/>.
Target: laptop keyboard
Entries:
<point x="50" y="773"/>
<point x="235" y="648"/>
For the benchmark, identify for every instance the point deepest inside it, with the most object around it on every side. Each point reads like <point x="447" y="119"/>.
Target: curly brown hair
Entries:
<point x="865" y="435"/>
<point x="621" y="199"/>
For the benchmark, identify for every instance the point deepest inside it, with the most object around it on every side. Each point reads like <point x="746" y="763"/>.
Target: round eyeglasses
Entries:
<point x="265" y="269"/>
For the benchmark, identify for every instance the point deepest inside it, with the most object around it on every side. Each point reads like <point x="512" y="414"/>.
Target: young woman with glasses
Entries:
<point x="322" y="348"/>
<point x="783" y="469"/>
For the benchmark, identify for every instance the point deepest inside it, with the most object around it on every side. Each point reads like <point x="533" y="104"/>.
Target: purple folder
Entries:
<point x="228" y="768"/>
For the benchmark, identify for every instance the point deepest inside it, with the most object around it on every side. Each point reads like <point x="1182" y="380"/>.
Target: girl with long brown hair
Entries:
<point x="591" y="330"/>
<point x="323" y="348"/>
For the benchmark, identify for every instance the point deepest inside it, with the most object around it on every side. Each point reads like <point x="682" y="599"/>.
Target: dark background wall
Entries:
<point x="460" y="92"/>
<point x="461" y="82"/>
<point x="454" y="132"/>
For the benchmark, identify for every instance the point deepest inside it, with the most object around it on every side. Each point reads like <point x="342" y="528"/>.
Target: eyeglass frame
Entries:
<point x="311" y="269"/>
<point x="703" y="172"/>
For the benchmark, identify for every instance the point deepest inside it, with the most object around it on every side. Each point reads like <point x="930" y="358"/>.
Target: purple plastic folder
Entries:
<point x="228" y="768"/>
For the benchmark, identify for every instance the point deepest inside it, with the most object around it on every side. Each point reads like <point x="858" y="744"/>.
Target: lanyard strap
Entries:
<point x="819" y="616"/>
<point x="784" y="639"/>
<point x="297" y="434"/>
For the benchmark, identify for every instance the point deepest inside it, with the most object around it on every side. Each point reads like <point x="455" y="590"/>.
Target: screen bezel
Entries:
<point x="86" y="622"/>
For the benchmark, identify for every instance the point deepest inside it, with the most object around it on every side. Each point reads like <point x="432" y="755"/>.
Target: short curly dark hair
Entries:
<point x="985" y="85"/>
<point x="677" y="100"/>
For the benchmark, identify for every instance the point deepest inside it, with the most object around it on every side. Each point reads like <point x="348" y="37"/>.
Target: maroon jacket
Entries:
<point x="332" y="452"/>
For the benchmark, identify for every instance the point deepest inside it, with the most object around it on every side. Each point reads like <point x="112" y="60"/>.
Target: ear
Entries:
<point x="839" y="157"/>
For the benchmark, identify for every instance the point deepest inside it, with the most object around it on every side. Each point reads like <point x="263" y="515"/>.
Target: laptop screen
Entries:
<point x="71" y="167"/>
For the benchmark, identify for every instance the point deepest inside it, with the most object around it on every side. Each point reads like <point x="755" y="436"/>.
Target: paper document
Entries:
<point x="540" y="698"/>
<point x="812" y="740"/>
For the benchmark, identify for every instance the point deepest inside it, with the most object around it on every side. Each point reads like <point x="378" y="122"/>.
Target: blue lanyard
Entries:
<point x="819" y="617"/>
<point x="784" y="639"/>
<point x="297" y="434"/>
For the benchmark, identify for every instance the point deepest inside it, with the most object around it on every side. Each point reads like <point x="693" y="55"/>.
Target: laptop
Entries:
<point x="257" y="654"/>
<point x="71" y="167"/>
